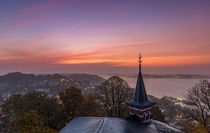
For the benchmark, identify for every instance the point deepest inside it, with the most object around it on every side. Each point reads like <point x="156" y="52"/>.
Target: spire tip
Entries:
<point x="140" y="60"/>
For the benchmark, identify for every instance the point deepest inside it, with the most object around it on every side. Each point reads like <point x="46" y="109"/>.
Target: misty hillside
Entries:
<point x="18" y="82"/>
<point x="85" y="79"/>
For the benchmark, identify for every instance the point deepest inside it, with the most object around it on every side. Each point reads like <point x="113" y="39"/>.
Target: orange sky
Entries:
<point x="104" y="36"/>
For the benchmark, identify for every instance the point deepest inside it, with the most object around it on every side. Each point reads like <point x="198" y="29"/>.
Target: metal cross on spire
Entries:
<point x="140" y="61"/>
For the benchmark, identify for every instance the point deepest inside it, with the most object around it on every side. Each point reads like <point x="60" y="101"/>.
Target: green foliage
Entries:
<point x="29" y="122"/>
<point x="157" y="114"/>
<point x="71" y="100"/>
<point x="75" y="104"/>
<point x="48" y="109"/>
<point x="36" y="112"/>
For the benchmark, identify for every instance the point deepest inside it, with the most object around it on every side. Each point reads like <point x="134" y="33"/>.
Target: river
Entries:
<point x="160" y="87"/>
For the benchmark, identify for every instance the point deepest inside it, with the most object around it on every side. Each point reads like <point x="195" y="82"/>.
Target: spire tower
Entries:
<point x="140" y="106"/>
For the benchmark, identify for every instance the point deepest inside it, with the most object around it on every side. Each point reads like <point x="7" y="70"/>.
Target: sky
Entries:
<point x="105" y="36"/>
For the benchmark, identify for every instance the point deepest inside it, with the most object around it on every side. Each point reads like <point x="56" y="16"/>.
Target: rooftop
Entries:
<point x="107" y="125"/>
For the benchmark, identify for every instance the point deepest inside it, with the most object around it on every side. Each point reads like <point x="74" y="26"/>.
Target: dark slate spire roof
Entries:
<point x="140" y="96"/>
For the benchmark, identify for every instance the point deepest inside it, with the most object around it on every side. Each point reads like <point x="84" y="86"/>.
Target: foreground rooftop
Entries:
<point x="107" y="125"/>
<point x="116" y="125"/>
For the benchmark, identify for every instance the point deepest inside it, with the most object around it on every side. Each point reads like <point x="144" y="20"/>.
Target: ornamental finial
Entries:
<point x="140" y="61"/>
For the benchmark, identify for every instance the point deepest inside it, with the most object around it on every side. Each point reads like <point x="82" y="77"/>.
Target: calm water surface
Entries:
<point x="164" y="87"/>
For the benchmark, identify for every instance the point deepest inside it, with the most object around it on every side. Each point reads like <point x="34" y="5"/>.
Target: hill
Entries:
<point x="17" y="82"/>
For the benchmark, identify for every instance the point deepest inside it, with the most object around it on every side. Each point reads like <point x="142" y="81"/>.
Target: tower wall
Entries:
<point x="144" y="115"/>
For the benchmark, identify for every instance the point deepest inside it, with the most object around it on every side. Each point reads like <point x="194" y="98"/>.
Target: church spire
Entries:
<point x="140" y="92"/>
<point x="140" y="105"/>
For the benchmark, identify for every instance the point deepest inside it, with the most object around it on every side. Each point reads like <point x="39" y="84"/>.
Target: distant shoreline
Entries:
<point x="164" y="76"/>
<point x="158" y="76"/>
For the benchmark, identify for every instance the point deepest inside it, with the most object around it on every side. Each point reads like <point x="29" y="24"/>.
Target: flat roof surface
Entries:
<point x="107" y="125"/>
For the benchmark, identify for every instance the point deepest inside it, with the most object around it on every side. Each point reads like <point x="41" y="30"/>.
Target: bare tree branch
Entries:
<point x="198" y="102"/>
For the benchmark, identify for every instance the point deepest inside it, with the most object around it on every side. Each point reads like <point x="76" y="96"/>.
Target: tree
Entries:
<point x="29" y="122"/>
<point x="157" y="114"/>
<point x="190" y="126"/>
<point x="197" y="104"/>
<point x="75" y="104"/>
<point x="90" y="107"/>
<point x="112" y="94"/>
<point x="48" y="109"/>
<point x="71" y="99"/>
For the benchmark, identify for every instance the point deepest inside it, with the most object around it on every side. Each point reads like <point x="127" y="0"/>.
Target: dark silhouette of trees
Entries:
<point x="90" y="106"/>
<point x="49" y="111"/>
<point x="36" y="112"/>
<point x="71" y="100"/>
<point x="197" y="104"/>
<point x="191" y="126"/>
<point x="29" y="122"/>
<point x="157" y="114"/>
<point x="112" y="94"/>
<point x="75" y="104"/>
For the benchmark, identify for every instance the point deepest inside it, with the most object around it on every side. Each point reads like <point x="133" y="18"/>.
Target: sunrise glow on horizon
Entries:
<point x="104" y="35"/>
